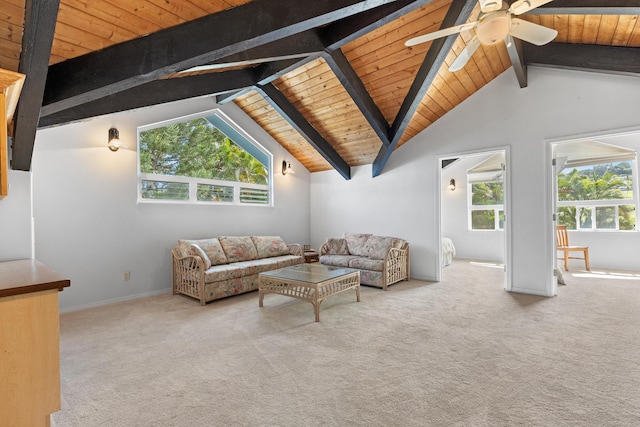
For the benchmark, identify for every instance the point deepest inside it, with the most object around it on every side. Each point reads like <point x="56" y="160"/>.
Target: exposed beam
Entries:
<point x="39" y="25"/>
<point x="457" y="14"/>
<point x="358" y="92"/>
<point x="153" y="93"/>
<point x="296" y="46"/>
<point x="270" y="71"/>
<point x="607" y="59"/>
<point x="281" y="104"/>
<point x="588" y="7"/>
<point x="224" y="98"/>
<point x="204" y="40"/>
<point x="514" y="48"/>
<point x="342" y="32"/>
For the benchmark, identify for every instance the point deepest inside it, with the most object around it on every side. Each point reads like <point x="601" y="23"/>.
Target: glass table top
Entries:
<point x="309" y="273"/>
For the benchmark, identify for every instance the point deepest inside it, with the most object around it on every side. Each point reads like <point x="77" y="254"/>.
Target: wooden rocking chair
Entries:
<point x="562" y="243"/>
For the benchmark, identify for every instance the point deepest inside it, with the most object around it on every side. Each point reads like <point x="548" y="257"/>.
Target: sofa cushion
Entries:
<point x="223" y="272"/>
<point x="337" y="260"/>
<point x="239" y="248"/>
<point x="377" y="246"/>
<point x="197" y="250"/>
<point x="269" y="246"/>
<point x="366" y="264"/>
<point x="337" y="247"/>
<point x="371" y="278"/>
<point x="356" y="243"/>
<point x="210" y="246"/>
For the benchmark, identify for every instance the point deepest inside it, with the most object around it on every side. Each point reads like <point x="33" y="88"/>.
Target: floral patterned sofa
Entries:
<point x="382" y="261"/>
<point x="210" y="269"/>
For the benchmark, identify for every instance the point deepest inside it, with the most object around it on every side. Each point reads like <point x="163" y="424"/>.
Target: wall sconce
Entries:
<point x="286" y="168"/>
<point x="452" y="184"/>
<point x="114" y="143"/>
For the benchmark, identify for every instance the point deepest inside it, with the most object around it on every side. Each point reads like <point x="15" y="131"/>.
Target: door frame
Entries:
<point x="506" y="149"/>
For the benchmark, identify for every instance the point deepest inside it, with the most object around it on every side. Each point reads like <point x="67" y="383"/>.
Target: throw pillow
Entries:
<point x="356" y="242"/>
<point x="270" y="246"/>
<point x="337" y="247"/>
<point x="197" y="251"/>
<point x="238" y="248"/>
<point x="377" y="246"/>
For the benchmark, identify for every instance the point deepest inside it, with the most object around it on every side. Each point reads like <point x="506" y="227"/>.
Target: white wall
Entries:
<point x="485" y="245"/>
<point x="402" y="201"/>
<point x="89" y="227"/>
<point x="16" y="234"/>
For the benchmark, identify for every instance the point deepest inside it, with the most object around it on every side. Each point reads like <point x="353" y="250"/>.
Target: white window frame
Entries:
<point x="496" y="208"/>
<point x="605" y="203"/>
<point x="193" y="182"/>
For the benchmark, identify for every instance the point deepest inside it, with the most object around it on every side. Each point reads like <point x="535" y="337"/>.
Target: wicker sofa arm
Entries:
<point x="396" y="265"/>
<point x="188" y="276"/>
<point x="296" y="249"/>
<point x="324" y="249"/>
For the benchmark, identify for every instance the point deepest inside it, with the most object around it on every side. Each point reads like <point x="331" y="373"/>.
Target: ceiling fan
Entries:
<point x="495" y="22"/>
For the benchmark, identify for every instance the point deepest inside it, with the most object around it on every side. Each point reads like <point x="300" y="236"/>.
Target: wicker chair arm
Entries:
<point x="324" y="249"/>
<point x="295" y="249"/>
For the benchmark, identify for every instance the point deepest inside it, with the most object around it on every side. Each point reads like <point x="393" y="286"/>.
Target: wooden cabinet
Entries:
<point x="29" y="343"/>
<point x="10" y="87"/>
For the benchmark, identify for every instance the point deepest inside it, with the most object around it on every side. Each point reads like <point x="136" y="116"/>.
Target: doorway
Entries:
<point x="473" y="210"/>
<point x="604" y="220"/>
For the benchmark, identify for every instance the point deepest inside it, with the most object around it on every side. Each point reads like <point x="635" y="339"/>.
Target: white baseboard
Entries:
<point x="530" y="291"/>
<point x="113" y="300"/>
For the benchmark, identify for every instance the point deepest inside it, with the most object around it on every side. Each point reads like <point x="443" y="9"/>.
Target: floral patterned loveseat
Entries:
<point x="382" y="261"/>
<point x="210" y="269"/>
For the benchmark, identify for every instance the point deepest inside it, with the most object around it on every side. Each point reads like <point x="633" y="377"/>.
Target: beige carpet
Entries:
<point x="462" y="352"/>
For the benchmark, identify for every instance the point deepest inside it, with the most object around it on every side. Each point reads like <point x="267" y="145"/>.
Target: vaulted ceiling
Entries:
<point x="331" y="81"/>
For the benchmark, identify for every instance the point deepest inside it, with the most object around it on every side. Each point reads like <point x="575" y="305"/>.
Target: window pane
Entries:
<point x="607" y="181"/>
<point x="164" y="190"/>
<point x="483" y="220"/>
<point x="486" y="193"/>
<point x="606" y="217"/>
<point x="501" y="220"/>
<point x="214" y="193"/>
<point x="252" y="195"/>
<point x="197" y="149"/>
<point x="567" y="216"/>
<point x="585" y="218"/>
<point x="627" y="217"/>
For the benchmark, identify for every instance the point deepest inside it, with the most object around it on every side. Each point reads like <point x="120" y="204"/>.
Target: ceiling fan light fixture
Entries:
<point x="490" y="5"/>
<point x="494" y="28"/>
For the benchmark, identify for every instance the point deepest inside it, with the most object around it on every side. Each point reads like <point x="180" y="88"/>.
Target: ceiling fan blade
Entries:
<point x="532" y="33"/>
<point x="521" y="6"/>
<point x="465" y="55"/>
<point x="440" y="33"/>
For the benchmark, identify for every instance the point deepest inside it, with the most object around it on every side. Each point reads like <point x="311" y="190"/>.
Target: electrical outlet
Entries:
<point x="126" y="276"/>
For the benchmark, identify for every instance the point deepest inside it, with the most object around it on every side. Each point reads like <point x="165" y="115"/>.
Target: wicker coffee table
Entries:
<point x="309" y="282"/>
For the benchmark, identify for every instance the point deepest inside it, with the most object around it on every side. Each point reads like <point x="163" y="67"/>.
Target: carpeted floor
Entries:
<point x="462" y="352"/>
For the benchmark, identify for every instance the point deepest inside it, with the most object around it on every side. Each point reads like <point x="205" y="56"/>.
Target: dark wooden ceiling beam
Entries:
<point x="281" y="104"/>
<point x="514" y="48"/>
<point x="270" y="71"/>
<point x="154" y="93"/>
<point x="588" y="7"/>
<point x="457" y="14"/>
<point x="39" y="26"/>
<point x="348" y="29"/>
<point x="607" y="59"/>
<point x="204" y="40"/>
<point x="358" y="92"/>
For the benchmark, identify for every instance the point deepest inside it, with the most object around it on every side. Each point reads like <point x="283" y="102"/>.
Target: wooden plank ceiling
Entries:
<point x="338" y="91"/>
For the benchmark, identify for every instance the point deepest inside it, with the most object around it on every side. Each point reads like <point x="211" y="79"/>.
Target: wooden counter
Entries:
<point x="29" y="342"/>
